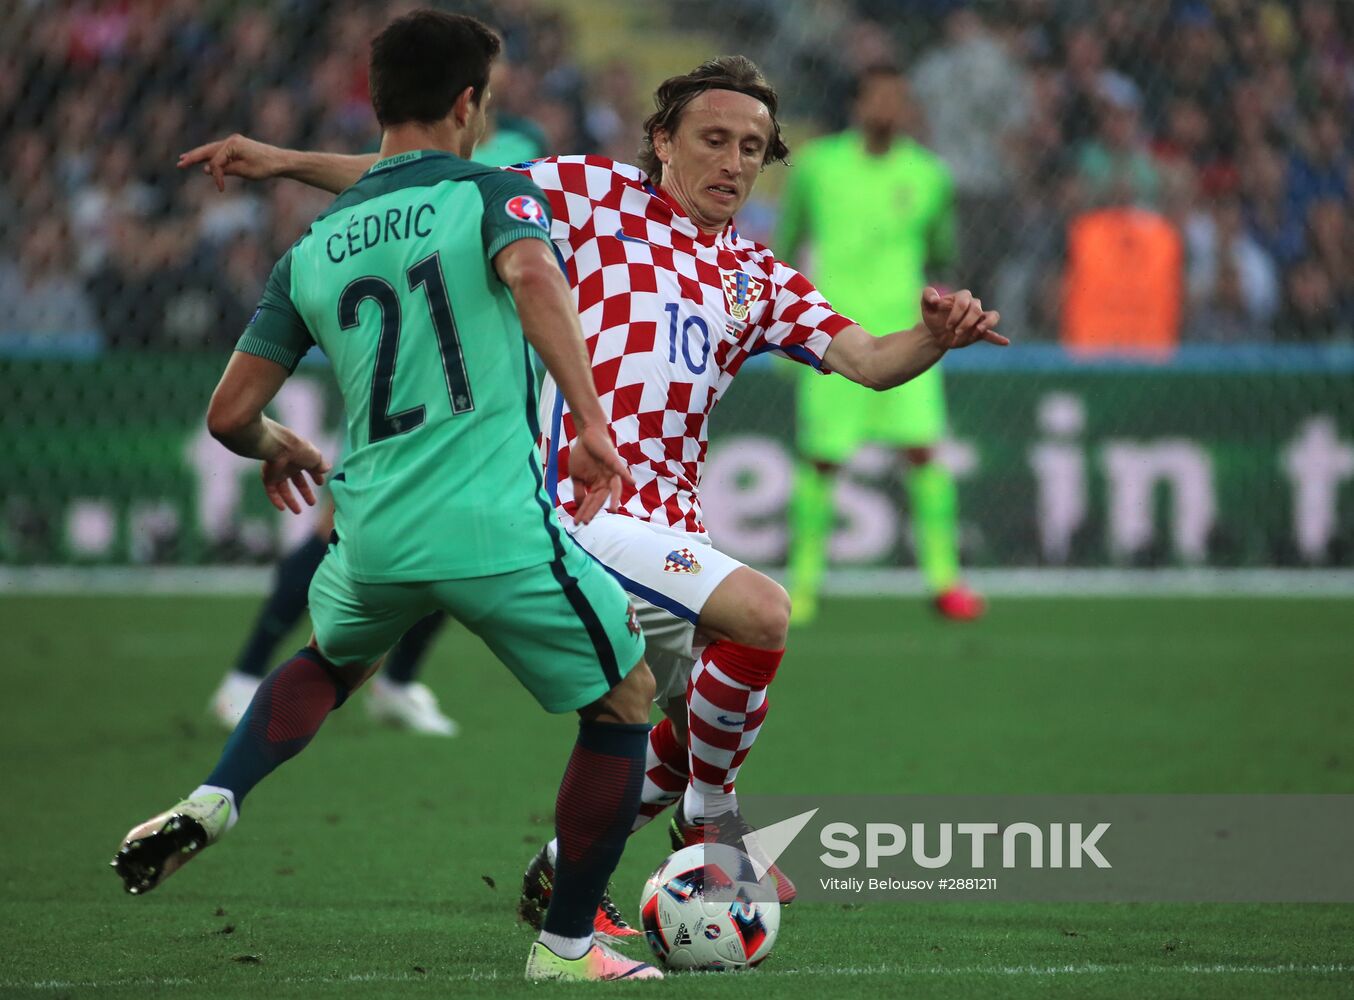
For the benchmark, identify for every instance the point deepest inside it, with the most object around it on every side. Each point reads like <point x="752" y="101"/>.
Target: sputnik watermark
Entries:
<point x="1259" y="848"/>
<point x="1042" y="847"/>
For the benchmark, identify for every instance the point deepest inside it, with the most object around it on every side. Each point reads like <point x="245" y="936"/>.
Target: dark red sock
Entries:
<point x="287" y="711"/>
<point x="595" y="809"/>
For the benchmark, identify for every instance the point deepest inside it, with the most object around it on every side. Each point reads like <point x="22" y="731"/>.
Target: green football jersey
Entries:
<point x="395" y="283"/>
<point x="876" y="224"/>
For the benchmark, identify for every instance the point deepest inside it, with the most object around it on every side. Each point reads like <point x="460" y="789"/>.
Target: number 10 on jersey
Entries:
<point x="691" y="322"/>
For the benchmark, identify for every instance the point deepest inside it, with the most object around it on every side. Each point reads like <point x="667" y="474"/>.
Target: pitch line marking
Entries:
<point x="482" y="975"/>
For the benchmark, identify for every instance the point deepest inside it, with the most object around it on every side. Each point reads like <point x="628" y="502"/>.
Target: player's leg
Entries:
<point x="828" y="429"/>
<point x="667" y="768"/>
<point x="685" y="587"/>
<point x="912" y="419"/>
<point x="746" y="619"/>
<point x="396" y="696"/>
<point x="282" y="609"/>
<point x="354" y="625"/>
<point x="567" y="632"/>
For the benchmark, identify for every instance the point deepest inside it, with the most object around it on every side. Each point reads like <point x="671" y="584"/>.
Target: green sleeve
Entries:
<point x="276" y="330"/>
<point x="792" y="230"/>
<point x="943" y="250"/>
<point x="514" y="209"/>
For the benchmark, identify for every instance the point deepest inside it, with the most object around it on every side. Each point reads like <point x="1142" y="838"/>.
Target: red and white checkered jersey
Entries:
<point x="669" y="314"/>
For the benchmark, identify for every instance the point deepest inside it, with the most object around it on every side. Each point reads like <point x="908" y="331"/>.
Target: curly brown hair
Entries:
<point x="736" y="73"/>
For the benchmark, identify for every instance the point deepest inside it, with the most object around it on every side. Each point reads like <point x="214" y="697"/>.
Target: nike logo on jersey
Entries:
<point x="620" y="235"/>
<point x="724" y="720"/>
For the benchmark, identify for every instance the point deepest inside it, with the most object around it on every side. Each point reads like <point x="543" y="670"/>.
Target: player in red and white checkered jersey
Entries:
<point x="673" y="301"/>
<point x="670" y="314"/>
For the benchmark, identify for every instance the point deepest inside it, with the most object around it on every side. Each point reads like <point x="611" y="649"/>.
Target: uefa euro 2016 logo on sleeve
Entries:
<point x="525" y="208"/>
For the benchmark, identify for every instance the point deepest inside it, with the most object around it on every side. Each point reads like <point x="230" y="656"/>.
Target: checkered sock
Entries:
<point x="726" y="704"/>
<point x="665" y="773"/>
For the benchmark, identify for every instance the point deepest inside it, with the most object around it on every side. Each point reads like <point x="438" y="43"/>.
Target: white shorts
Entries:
<point x="671" y="574"/>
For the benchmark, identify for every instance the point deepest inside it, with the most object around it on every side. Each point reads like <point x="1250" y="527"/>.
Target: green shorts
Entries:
<point x="835" y="416"/>
<point x="564" y="628"/>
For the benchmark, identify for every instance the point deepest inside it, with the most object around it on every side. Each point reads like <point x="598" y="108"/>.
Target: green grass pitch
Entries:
<point x="382" y="864"/>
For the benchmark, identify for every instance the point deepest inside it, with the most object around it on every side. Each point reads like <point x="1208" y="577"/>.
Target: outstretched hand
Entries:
<point x="958" y="319"/>
<point x="235" y="156"/>
<point x="597" y="472"/>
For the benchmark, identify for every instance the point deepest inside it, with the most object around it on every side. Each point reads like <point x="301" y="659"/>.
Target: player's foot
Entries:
<point x="539" y="882"/>
<point x="960" y="604"/>
<point x="157" y="848"/>
<point x="408" y="706"/>
<point x="232" y="698"/>
<point x="600" y="963"/>
<point x="730" y="828"/>
<point x="803" y="608"/>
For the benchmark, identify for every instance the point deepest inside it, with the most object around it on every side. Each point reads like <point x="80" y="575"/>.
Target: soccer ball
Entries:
<point x="703" y="909"/>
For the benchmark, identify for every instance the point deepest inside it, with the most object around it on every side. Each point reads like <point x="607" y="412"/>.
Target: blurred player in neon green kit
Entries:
<point x="877" y="210"/>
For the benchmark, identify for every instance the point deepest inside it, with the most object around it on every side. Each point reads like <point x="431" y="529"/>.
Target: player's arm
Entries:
<point x="268" y="351"/>
<point x="235" y="418"/>
<point x="238" y="156"/>
<point x="948" y="322"/>
<point x="550" y="322"/>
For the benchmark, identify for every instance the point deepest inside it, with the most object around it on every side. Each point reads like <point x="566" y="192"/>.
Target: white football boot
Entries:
<point x="408" y="706"/>
<point x="154" y="850"/>
<point x="232" y="698"/>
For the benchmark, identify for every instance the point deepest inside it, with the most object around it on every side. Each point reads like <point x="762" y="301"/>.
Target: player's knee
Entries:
<point x="629" y="701"/>
<point x="768" y="619"/>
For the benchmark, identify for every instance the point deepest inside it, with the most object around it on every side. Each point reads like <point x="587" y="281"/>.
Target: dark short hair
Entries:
<point x="421" y="62"/>
<point x="736" y="73"/>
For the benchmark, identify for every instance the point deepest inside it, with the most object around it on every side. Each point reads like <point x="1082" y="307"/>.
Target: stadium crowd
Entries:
<point x="1202" y="147"/>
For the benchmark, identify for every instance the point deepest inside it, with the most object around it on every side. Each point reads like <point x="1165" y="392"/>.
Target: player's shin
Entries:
<point x="726" y="705"/>
<point x="288" y="709"/>
<point x="594" y="812"/>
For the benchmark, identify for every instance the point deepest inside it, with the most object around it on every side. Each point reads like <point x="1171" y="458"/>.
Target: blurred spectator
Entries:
<point x="1313" y="311"/>
<point x="1271" y="216"/>
<point x="1123" y="284"/>
<point x="1044" y="110"/>
<point x="42" y="295"/>
<point x="976" y="100"/>
<point x="1117" y="167"/>
<point x="1233" y="284"/>
<point x="615" y="116"/>
<point x="113" y="189"/>
<point x="510" y="139"/>
<point x="1320" y="165"/>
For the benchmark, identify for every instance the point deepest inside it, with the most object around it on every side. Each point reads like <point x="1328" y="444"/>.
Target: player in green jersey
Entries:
<point x="877" y="209"/>
<point x="419" y="283"/>
<point x="394" y="695"/>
